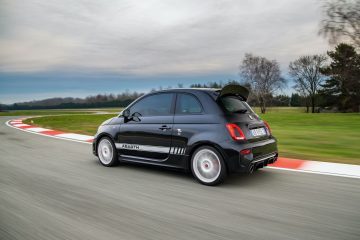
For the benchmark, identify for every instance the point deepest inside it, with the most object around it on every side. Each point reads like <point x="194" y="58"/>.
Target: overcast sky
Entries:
<point x="75" y="48"/>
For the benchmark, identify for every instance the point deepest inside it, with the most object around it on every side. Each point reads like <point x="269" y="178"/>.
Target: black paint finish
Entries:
<point x="186" y="131"/>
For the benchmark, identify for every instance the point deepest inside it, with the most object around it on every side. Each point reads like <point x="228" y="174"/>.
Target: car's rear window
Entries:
<point x="233" y="104"/>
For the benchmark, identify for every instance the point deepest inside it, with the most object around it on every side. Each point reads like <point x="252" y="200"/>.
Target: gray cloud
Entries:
<point x="154" y="37"/>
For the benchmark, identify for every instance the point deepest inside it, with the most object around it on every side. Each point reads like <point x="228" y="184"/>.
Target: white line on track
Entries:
<point x="75" y="136"/>
<point x="21" y="125"/>
<point x="24" y="130"/>
<point x="37" y="129"/>
<point x="315" y="172"/>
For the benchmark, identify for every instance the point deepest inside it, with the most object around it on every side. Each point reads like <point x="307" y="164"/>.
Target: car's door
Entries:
<point x="189" y="120"/>
<point x="148" y="135"/>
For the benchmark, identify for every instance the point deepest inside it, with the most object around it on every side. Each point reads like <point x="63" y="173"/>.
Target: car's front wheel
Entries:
<point x="208" y="166"/>
<point x="107" y="152"/>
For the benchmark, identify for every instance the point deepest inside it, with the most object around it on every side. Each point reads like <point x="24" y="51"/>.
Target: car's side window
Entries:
<point x="187" y="104"/>
<point x="154" y="105"/>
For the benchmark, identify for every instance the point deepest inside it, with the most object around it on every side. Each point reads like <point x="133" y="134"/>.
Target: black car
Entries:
<point x="211" y="132"/>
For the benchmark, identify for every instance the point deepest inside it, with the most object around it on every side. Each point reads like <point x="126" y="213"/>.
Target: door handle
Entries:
<point x="164" y="127"/>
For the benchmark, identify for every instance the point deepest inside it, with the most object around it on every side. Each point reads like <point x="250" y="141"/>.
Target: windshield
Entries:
<point x="233" y="104"/>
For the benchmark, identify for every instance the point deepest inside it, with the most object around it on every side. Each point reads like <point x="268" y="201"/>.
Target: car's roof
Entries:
<point x="213" y="92"/>
<point x="190" y="90"/>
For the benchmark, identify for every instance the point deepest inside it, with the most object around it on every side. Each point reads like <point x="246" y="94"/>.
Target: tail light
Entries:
<point x="235" y="131"/>
<point x="245" y="152"/>
<point x="267" y="126"/>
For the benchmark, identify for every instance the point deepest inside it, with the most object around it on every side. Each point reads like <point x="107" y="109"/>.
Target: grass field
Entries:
<point x="333" y="137"/>
<point x="59" y="111"/>
<point x="85" y="124"/>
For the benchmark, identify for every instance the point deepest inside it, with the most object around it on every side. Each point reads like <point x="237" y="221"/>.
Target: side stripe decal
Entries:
<point x="145" y="148"/>
<point x="177" y="150"/>
<point x="149" y="148"/>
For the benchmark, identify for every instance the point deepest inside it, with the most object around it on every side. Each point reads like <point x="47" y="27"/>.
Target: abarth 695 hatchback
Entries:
<point x="210" y="132"/>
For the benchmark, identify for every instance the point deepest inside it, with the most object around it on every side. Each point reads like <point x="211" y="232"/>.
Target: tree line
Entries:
<point x="97" y="101"/>
<point x="330" y="82"/>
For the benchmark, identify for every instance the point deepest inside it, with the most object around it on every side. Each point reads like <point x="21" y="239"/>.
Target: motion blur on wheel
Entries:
<point x="210" y="132"/>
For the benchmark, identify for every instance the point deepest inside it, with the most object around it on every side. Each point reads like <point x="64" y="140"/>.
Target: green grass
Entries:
<point x="85" y="124"/>
<point x="112" y="110"/>
<point x="59" y="111"/>
<point x="333" y="137"/>
<point x="41" y="112"/>
<point x="282" y="110"/>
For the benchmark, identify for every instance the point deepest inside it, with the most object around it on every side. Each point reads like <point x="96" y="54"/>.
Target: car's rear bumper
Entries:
<point x="262" y="153"/>
<point x="262" y="161"/>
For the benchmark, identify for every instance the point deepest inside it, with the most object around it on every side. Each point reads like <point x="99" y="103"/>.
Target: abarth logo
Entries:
<point x="132" y="147"/>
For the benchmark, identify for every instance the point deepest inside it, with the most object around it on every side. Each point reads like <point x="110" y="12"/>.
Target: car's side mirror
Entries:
<point x="135" y="116"/>
<point x="130" y="117"/>
<point x="126" y="113"/>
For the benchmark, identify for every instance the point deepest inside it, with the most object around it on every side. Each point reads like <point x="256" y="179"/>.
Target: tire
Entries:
<point x="208" y="166"/>
<point x="107" y="152"/>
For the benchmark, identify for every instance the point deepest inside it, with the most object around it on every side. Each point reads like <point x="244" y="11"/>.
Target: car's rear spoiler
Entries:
<point x="234" y="89"/>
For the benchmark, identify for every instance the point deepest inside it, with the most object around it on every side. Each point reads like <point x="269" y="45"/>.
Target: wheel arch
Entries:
<point x="100" y="136"/>
<point x="200" y="144"/>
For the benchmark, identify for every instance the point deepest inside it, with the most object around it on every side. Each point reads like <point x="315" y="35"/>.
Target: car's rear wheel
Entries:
<point x="208" y="166"/>
<point x="107" y="152"/>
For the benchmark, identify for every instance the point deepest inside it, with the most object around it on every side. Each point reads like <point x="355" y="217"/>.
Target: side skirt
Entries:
<point x="149" y="162"/>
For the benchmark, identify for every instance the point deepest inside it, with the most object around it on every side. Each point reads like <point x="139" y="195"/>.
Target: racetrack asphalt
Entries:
<point x="56" y="189"/>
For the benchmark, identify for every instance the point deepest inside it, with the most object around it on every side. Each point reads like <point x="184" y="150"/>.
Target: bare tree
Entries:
<point x="263" y="76"/>
<point x="341" y="21"/>
<point x="304" y="95"/>
<point x="307" y="76"/>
